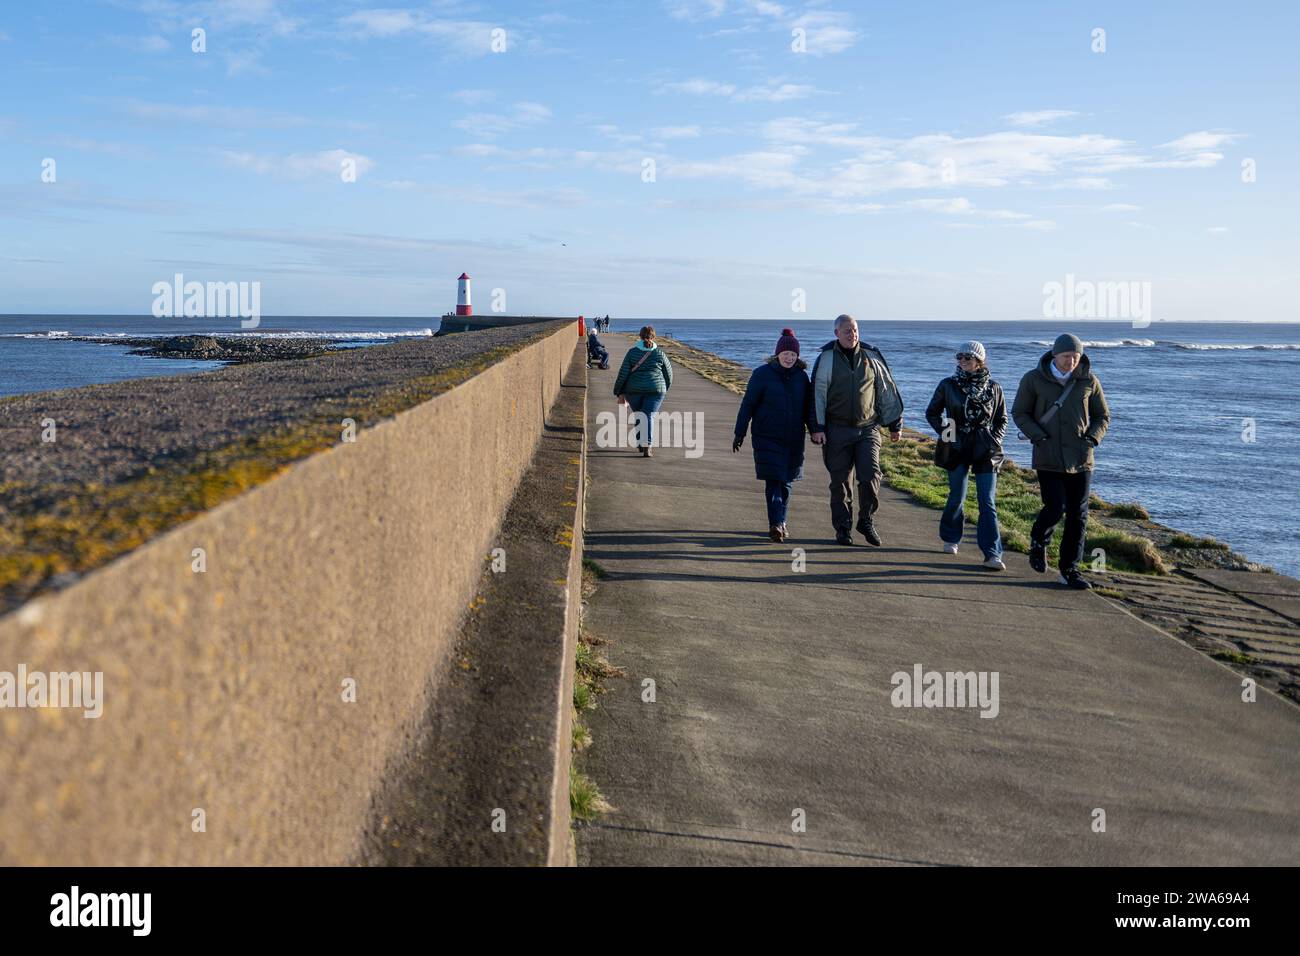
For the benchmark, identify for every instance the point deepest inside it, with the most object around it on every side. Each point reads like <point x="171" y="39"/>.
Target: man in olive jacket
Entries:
<point x="854" y="395"/>
<point x="1064" y="434"/>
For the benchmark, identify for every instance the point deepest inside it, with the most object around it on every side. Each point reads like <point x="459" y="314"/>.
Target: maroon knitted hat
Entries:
<point x="786" y="343"/>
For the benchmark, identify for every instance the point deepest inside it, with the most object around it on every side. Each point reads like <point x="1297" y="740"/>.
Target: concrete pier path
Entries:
<point x="772" y="738"/>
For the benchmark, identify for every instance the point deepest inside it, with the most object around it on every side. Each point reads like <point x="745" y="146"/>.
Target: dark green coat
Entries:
<point x="1067" y="442"/>
<point x="655" y="376"/>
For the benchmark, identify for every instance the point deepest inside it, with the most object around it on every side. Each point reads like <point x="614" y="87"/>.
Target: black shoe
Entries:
<point x="1073" y="579"/>
<point x="1038" y="558"/>
<point x="843" y="537"/>
<point x="776" y="533"/>
<point x="868" y="531"/>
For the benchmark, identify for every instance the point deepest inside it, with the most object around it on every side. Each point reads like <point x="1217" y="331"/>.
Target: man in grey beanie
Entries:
<point x="1061" y="408"/>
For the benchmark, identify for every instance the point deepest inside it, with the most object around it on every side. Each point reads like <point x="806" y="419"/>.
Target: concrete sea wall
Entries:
<point x="250" y="708"/>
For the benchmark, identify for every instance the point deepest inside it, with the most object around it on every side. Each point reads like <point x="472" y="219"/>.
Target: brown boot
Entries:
<point x="775" y="534"/>
<point x="647" y="452"/>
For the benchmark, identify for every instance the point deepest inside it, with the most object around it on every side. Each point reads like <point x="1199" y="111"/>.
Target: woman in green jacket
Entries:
<point x="642" y="381"/>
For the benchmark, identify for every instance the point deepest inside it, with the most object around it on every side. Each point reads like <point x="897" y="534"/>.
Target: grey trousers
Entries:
<point x="848" y="449"/>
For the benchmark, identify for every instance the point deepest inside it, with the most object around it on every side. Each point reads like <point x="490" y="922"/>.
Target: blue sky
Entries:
<point x="913" y="161"/>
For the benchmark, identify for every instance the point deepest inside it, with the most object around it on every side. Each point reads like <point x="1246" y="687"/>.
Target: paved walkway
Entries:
<point x="773" y="690"/>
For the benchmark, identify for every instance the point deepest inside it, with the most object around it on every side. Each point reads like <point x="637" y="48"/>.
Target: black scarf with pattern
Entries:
<point x="977" y="391"/>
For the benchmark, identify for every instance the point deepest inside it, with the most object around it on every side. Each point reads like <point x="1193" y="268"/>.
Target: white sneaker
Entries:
<point x="994" y="564"/>
<point x="950" y="548"/>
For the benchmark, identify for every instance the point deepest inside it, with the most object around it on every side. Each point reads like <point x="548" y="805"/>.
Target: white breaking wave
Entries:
<point x="1212" y="347"/>
<point x="1108" y="343"/>
<point x="335" y="336"/>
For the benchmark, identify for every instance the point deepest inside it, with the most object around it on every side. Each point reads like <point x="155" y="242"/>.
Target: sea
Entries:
<point x="1205" y="417"/>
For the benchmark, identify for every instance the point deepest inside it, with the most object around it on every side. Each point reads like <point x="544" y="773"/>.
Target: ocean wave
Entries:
<point x="1218" y="347"/>
<point x="322" y="334"/>
<point x="1108" y="343"/>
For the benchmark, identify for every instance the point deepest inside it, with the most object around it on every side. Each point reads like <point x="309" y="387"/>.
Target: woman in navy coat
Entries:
<point x="779" y="403"/>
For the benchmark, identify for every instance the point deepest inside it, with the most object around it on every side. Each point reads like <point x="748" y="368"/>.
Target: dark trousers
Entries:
<point x="849" y="449"/>
<point x="1063" y="494"/>
<point x="778" y="500"/>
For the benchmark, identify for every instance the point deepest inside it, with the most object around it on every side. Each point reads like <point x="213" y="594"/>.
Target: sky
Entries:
<point x="684" y="158"/>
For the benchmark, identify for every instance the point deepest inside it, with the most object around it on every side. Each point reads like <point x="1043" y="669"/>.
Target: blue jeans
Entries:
<point x="647" y="403"/>
<point x="778" y="500"/>
<point x="952" y="522"/>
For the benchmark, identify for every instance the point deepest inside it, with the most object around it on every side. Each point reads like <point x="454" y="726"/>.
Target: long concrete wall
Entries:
<point x="227" y="735"/>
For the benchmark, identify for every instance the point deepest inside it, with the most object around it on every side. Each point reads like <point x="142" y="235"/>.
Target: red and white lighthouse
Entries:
<point x="462" y="296"/>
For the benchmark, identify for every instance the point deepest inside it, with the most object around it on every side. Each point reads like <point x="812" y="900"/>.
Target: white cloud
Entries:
<point x="611" y="131"/>
<point x="676" y="132"/>
<point x="535" y="157"/>
<point x="699" y="87"/>
<point x="774" y="93"/>
<point x="827" y="31"/>
<point x="326" y="164"/>
<point x="696" y="9"/>
<point x="479" y="149"/>
<point x="770" y="92"/>
<point x="223" y="116"/>
<point x="960" y="206"/>
<point x="1200" y="141"/>
<point x="1038" y="117"/>
<point x="990" y="160"/>
<point x="766" y="169"/>
<point x="145" y="44"/>
<point x="83" y="145"/>
<point x="823" y="31"/>
<point x="1085" y="182"/>
<point x="248" y="61"/>
<point x="561" y="197"/>
<point x="473" y="97"/>
<point x="1197" y="150"/>
<point x="524" y="115"/>
<point x="260" y="16"/>
<point x="467" y="37"/>
<point x="1217" y="230"/>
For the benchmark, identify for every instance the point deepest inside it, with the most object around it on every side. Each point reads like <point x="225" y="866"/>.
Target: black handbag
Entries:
<point x="945" y="454"/>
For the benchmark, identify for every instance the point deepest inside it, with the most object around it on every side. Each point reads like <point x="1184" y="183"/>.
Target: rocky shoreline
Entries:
<point x="235" y="349"/>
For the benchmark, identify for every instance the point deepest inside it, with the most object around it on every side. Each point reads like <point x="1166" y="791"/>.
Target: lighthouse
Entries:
<point x="462" y="296"/>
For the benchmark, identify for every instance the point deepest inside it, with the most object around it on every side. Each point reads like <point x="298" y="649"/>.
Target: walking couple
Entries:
<point x="852" y="395"/>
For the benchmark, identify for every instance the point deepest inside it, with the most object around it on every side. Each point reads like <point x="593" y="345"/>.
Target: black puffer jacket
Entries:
<point x="980" y="448"/>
